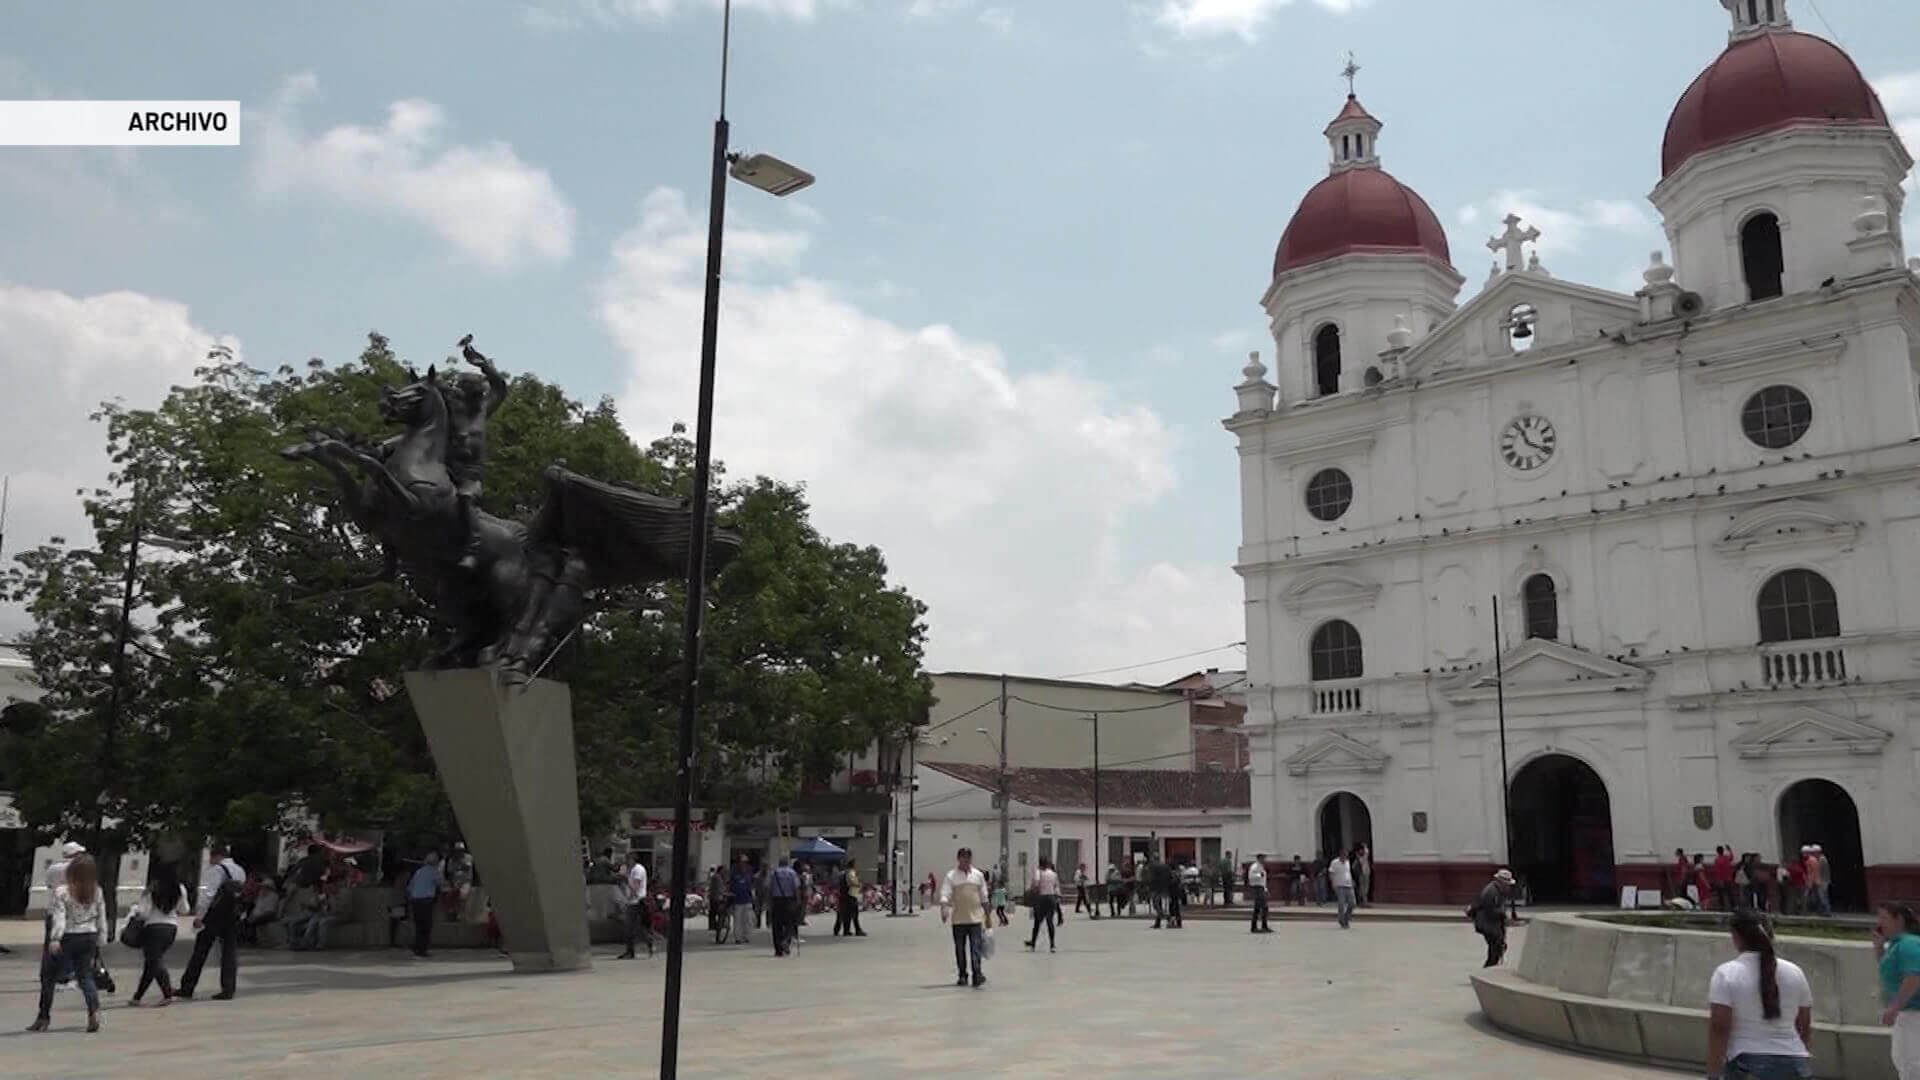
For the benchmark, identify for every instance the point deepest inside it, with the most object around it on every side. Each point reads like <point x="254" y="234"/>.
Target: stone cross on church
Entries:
<point x="1513" y="242"/>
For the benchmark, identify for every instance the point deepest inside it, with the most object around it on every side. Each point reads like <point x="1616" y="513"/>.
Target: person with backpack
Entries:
<point x="218" y="920"/>
<point x="159" y="910"/>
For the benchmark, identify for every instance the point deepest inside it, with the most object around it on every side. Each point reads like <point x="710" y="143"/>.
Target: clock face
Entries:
<point x="1528" y="442"/>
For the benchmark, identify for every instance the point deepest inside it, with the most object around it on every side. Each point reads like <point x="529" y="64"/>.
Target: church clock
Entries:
<point x="1528" y="442"/>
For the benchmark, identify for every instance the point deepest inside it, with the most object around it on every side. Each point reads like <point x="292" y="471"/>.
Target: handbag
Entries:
<point x="103" y="978"/>
<point x="135" y="931"/>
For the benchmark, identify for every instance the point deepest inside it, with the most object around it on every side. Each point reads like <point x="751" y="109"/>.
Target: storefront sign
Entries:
<point x="661" y="825"/>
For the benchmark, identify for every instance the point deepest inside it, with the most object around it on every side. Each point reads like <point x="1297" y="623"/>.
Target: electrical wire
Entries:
<point x="1089" y="710"/>
<point x="936" y="727"/>
<point x="1150" y="663"/>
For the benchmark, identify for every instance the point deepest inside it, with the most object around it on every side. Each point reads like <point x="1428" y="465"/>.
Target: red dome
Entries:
<point x="1360" y="210"/>
<point x="1764" y="83"/>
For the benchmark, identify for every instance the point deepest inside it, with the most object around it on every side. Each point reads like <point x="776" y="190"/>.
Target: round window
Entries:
<point x="1776" y="417"/>
<point x="1329" y="494"/>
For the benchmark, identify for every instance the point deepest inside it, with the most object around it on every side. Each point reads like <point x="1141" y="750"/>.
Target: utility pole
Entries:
<point x="913" y="789"/>
<point x="1006" y="866"/>
<point x="1500" y="707"/>
<point x="1098" y="859"/>
<point x="123" y="636"/>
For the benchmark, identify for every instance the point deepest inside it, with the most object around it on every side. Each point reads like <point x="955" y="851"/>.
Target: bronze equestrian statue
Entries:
<point x="510" y="592"/>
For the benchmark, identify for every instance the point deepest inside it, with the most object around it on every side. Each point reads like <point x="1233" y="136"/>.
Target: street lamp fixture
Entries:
<point x="776" y="177"/>
<point x="768" y="173"/>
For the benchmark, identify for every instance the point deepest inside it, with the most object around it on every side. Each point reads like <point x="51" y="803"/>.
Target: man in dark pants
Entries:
<point x="1176" y="896"/>
<point x="783" y="898"/>
<point x="1489" y="915"/>
<point x="217" y="919"/>
<point x="1257" y="889"/>
<point x="423" y="892"/>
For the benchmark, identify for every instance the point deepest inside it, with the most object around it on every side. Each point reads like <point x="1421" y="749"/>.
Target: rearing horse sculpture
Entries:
<point x="526" y="593"/>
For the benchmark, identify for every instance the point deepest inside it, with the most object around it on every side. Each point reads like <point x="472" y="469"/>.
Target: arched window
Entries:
<point x="1335" y="653"/>
<point x="1761" y="257"/>
<point x="1326" y="361"/>
<point x="1798" y="605"/>
<point x="1543" y="607"/>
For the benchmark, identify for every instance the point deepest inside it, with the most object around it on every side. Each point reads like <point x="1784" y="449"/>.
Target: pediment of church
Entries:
<point x="1538" y="667"/>
<point x="1563" y="312"/>
<point x="1336" y="753"/>
<point x="1809" y="731"/>
<point x="1785" y="523"/>
<point x="1329" y="588"/>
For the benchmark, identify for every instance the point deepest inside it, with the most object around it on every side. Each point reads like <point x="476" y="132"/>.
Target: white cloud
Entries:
<point x="997" y="19"/>
<point x="1232" y="340"/>
<point x="1900" y="93"/>
<point x="1001" y="498"/>
<point x="1242" y="18"/>
<point x="491" y="207"/>
<point x="61" y="356"/>
<point x="569" y="14"/>
<point x="1562" y="228"/>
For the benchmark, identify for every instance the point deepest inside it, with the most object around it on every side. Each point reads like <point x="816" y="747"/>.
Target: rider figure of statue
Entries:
<point x="472" y="399"/>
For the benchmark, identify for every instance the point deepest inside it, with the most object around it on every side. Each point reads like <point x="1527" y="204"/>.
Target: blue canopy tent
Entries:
<point x="819" y="849"/>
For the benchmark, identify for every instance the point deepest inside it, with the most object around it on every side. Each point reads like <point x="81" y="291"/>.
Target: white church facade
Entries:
<point x="1690" y="514"/>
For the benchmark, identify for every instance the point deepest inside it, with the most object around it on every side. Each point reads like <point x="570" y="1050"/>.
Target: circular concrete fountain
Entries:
<point x="1629" y="987"/>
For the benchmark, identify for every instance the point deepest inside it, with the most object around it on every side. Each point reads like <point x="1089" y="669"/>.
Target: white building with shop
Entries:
<point x="1186" y="817"/>
<point x="1691" y="512"/>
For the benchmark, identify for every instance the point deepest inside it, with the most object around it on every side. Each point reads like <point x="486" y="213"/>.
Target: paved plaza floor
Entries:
<point x="1118" y="1000"/>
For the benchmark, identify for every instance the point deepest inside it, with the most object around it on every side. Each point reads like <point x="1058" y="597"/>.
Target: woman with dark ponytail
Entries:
<point x="1761" y="1021"/>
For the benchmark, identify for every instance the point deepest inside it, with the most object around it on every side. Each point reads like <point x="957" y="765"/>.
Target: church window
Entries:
<point x="1543" y="607"/>
<point x="1329" y="494"/>
<point x="1776" y="417"/>
<point x="1798" y="605"/>
<point x="1753" y="11"/>
<point x="1326" y="361"/>
<point x="1762" y="258"/>
<point x="1335" y="652"/>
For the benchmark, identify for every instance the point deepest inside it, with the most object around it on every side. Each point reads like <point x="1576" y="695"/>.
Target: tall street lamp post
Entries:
<point x="775" y="177"/>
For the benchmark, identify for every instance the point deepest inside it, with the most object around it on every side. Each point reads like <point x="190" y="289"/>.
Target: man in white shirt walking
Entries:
<point x="1257" y="890"/>
<point x="1340" y="876"/>
<point x="963" y="905"/>
<point x="217" y="920"/>
<point x="637" y="911"/>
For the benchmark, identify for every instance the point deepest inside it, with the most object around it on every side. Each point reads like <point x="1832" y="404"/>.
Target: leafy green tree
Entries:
<point x="266" y="663"/>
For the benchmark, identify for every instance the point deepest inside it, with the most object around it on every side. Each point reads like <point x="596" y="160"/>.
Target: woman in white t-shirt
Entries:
<point x="1046" y="901"/>
<point x="1761" y="1021"/>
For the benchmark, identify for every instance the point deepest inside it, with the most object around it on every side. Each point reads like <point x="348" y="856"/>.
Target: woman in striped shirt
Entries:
<point x="79" y="929"/>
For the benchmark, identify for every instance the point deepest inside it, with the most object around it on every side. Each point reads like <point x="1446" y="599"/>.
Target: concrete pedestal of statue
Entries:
<point x="505" y="755"/>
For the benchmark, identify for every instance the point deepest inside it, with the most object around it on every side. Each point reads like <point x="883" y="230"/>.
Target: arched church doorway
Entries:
<point x="1821" y="812"/>
<point x="1562" y="826"/>
<point x="1344" y="822"/>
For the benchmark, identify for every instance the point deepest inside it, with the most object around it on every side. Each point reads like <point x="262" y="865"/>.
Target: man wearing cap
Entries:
<point x="1489" y="914"/>
<point x="1825" y="886"/>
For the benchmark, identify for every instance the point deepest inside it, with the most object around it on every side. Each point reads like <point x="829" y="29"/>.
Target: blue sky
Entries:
<point x="996" y="338"/>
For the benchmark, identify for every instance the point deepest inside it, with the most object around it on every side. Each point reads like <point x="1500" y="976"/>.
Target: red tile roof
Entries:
<point x="1120" y="789"/>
